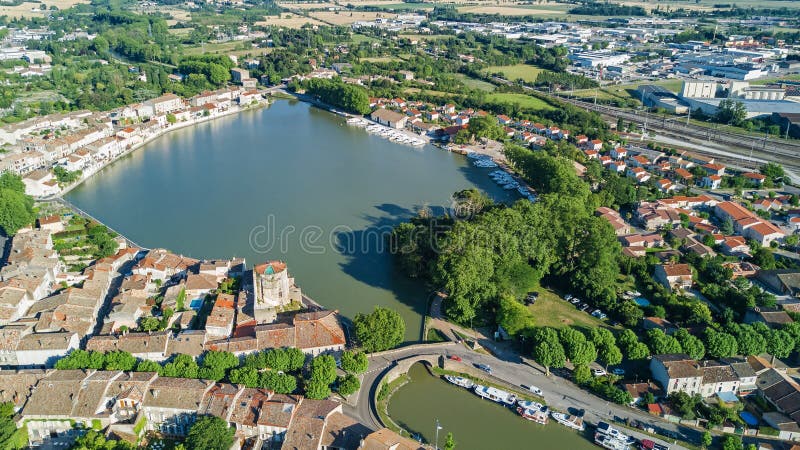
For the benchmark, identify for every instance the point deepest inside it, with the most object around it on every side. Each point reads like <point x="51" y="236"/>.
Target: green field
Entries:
<point x="552" y="311"/>
<point x="474" y="83"/>
<point x="525" y="101"/>
<point x="518" y="71"/>
<point x="623" y="91"/>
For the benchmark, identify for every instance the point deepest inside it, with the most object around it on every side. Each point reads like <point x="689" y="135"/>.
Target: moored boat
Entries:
<point x="460" y="381"/>
<point x="533" y="414"/>
<point x="529" y="404"/>
<point x="568" y="420"/>
<point x="609" y="442"/>
<point x="495" y="395"/>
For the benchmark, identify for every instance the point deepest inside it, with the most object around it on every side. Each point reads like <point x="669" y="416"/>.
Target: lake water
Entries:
<point x="288" y="182"/>
<point x="475" y="423"/>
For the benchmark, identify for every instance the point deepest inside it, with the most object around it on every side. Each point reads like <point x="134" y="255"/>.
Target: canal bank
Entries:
<point x="475" y="423"/>
<point x="290" y="182"/>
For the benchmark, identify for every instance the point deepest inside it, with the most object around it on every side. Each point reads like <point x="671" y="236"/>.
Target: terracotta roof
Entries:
<point x="276" y="267"/>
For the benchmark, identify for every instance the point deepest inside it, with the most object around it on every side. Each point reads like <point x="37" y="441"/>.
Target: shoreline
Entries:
<point x="163" y="132"/>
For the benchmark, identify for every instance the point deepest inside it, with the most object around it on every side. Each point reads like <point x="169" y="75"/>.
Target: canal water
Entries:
<point x="288" y="182"/>
<point x="476" y="424"/>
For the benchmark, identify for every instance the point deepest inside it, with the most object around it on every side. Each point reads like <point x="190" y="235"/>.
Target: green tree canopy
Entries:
<point x="379" y="330"/>
<point x="354" y="362"/>
<point x="210" y="433"/>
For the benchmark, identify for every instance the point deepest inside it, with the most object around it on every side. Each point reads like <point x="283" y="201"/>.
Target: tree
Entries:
<point x="16" y="208"/>
<point x="731" y="111"/>
<point x="547" y="349"/>
<point x="585" y="352"/>
<point x="147" y="365"/>
<point x="449" y="442"/>
<point x="661" y="344"/>
<point x="247" y="376"/>
<point x="379" y="330"/>
<point x="488" y="127"/>
<point x="317" y="390"/>
<point x="726" y="227"/>
<point x="183" y="366"/>
<point x="323" y="368"/>
<point x="512" y="315"/>
<point x="11" y="437"/>
<point x="94" y="440"/>
<point x="282" y="383"/>
<point x="354" y="362"/>
<point x="780" y="343"/>
<point x="772" y="171"/>
<point x="210" y="433"/>
<point x="609" y="355"/>
<point x="296" y="359"/>
<point x="216" y="364"/>
<point x="690" y="344"/>
<point x="706" y="439"/>
<point x="347" y="385"/>
<point x="720" y="344"/>
<point x="277" y="359"/>
<point x="731" y="442"/>
<point x="582" y="374"/>
<point x="119" y="360"/>
<point x="751" y="342"/>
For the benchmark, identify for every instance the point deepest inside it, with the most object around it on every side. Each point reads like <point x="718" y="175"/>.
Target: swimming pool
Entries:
<point x="641" y="301"/>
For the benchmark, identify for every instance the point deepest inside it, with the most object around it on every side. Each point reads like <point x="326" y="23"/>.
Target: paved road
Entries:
<point x="559" y="393"/>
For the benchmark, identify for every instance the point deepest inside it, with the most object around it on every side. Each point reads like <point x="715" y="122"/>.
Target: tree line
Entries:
<point x="282" y="370"/>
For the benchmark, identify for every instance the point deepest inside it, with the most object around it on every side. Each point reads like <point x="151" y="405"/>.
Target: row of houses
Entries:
<point x="312" y="332"/>
<point x="129" y="403"/>
<point x="85" y="141"/>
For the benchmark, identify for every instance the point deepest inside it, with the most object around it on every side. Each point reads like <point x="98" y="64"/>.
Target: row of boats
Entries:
<point x="528" y="409"/>
<point x="605" y="435"/>
<point x="501" y="177"/>
<point x="609" y="437"/>
<point x="392" y="134"/>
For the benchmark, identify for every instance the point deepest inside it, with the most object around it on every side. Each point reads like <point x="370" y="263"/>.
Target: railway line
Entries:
<point x="733" y="149"/>
<point x="743" y="151"/>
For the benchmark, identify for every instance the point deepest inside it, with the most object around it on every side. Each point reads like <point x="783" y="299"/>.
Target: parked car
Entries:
<point x="597" y="312"/>
<point x="601" y="316"/>
<point x="583" y="307"/>
<point x="454" y="357"/>
<point x="531" y="298"/>
<point x="599" y="372"/>
<point x="568" y="297"/>
<point x="618" y="371"/>
<point x="535" y="390"/>
<point x="485" y="368"/>
<point x="575" y="301"/>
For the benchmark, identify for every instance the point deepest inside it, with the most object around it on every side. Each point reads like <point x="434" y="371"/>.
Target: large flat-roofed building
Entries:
<point x="658" y="97"/>
<point x="594" y="59"/>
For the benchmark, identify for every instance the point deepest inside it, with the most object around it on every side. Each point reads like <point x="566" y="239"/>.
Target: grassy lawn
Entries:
<point x="427" y="91"/>
<point x="625" y="91"/>
<point x="552" y="311"/>
<point x="222" y="47"/>
<point x="473" y="83"/>
<point x="517" y="71"/>
<point x="790" y="77"/>
<point x="526" y="101"/>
